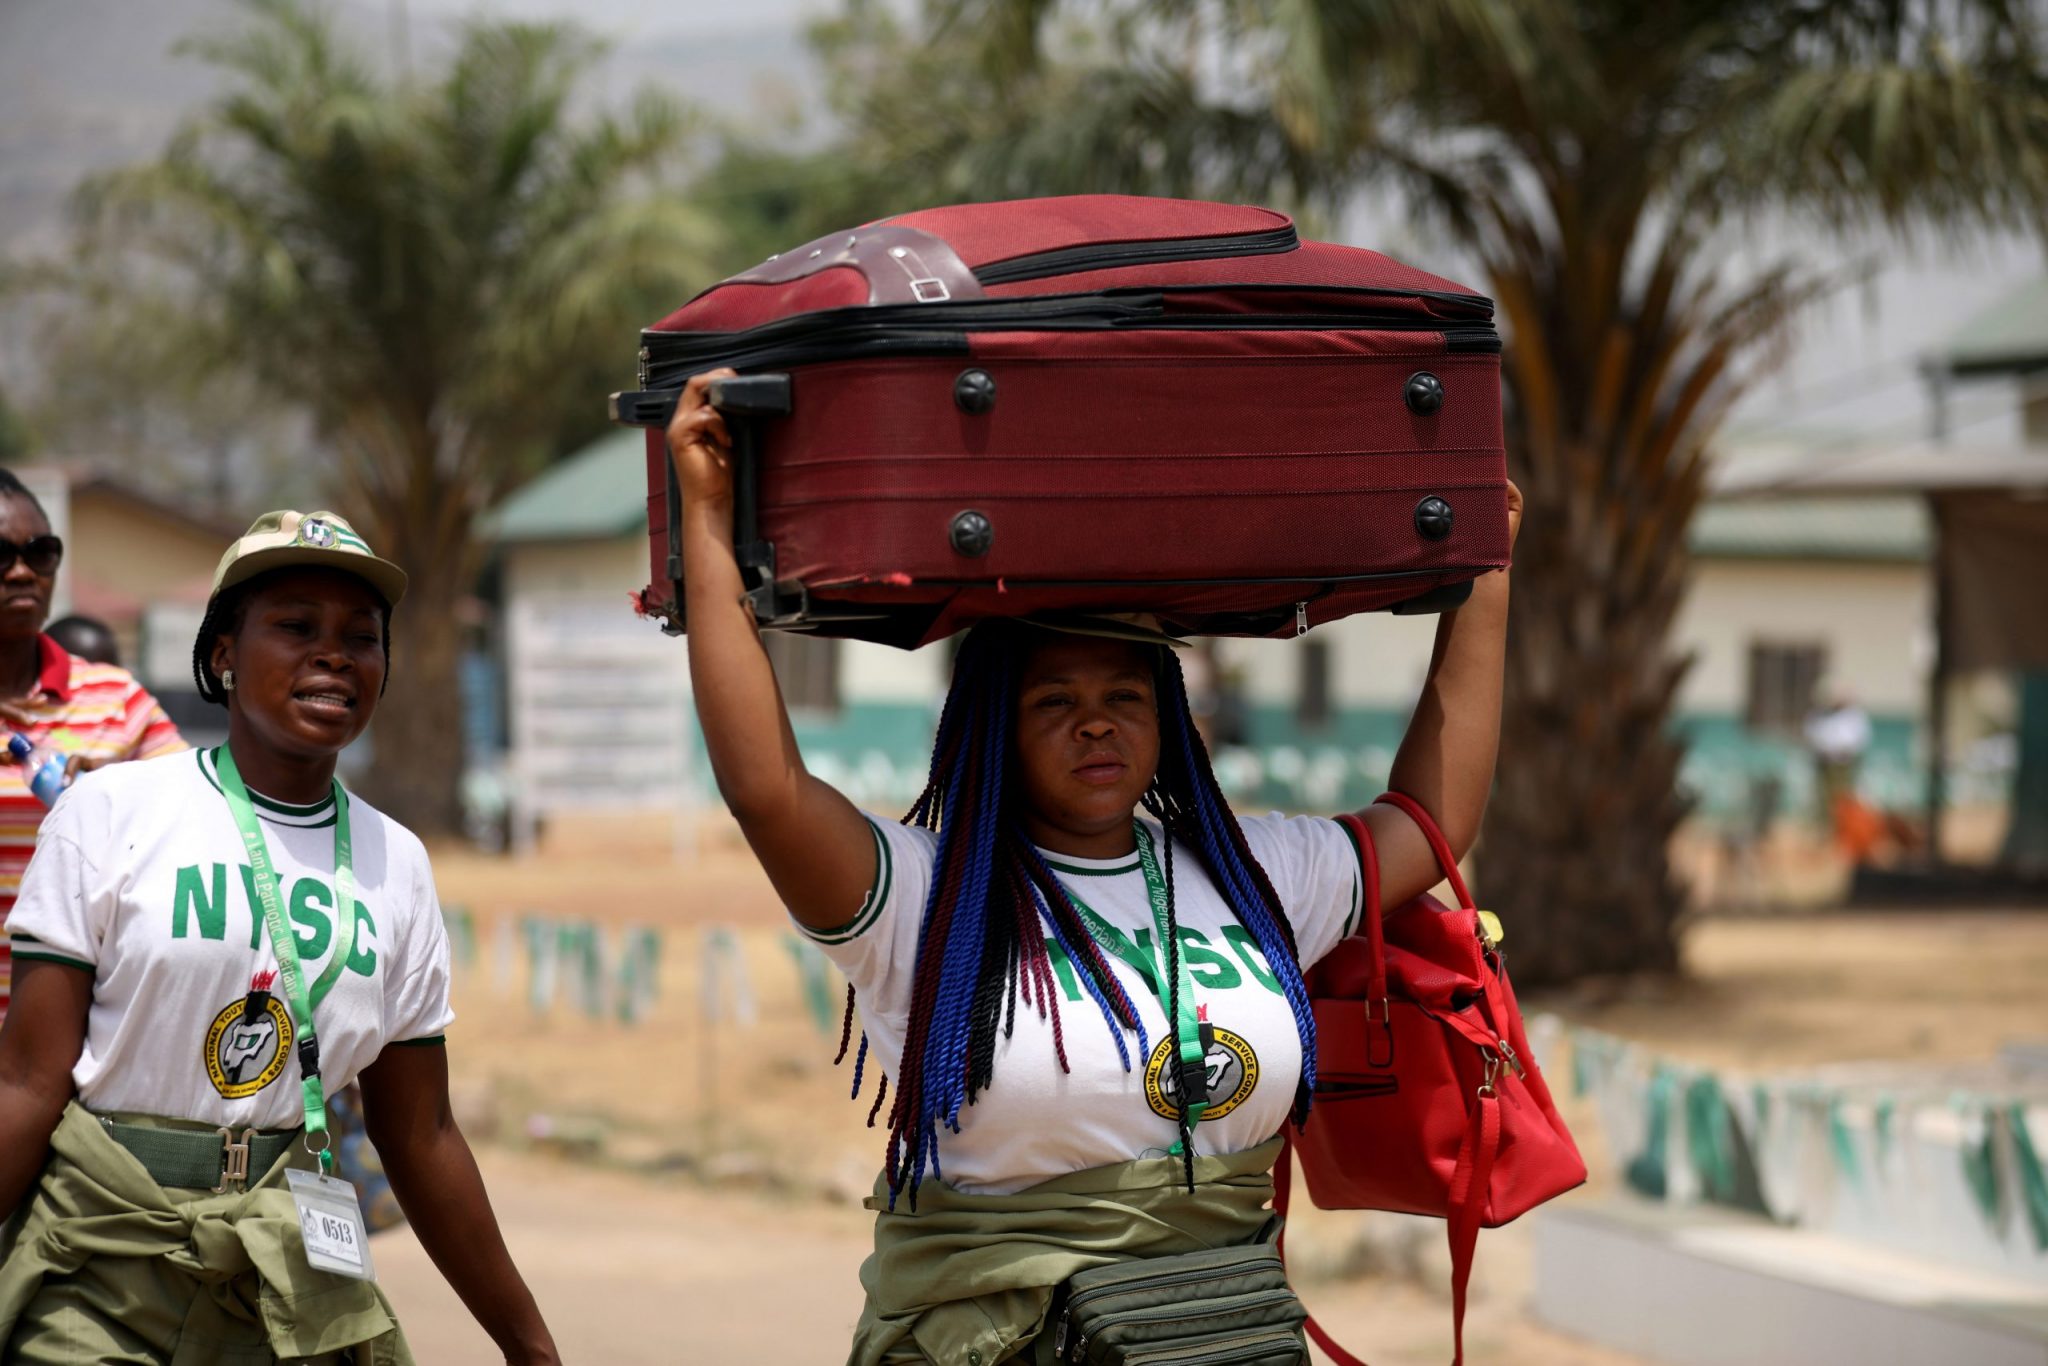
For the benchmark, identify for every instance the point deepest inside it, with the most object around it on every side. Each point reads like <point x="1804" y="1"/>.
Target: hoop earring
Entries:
<point x="227" y="680"/>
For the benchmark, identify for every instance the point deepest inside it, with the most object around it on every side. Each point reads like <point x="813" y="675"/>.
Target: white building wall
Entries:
<point x="882" y="673"/>
<point x="617" y="567"/>
<point x="1872" y="617"/>
<point x="599" y="714"/>
<point x="1376" y="661"/>
<point x="607" y="572"/>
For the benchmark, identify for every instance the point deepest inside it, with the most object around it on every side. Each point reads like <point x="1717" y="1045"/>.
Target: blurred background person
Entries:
<point x="1837" y="734"/>
<point x="86" y="638"/>
<point x="93" y="713"/>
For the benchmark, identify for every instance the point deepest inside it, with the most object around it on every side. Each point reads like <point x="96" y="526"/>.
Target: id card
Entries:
<point x="331" y="1223"/>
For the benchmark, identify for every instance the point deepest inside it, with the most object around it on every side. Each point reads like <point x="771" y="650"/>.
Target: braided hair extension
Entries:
<point x="993" y="901"/>
<point x="982" y="941"/>
<point x="224" y="618"/>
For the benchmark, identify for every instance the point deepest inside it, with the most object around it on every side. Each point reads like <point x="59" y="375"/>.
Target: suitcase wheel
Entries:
<point x="1424" y="394"/>
<point x="972" y="533"/>
<point x="975" y="391"/>
<point x="1433" y="518"/>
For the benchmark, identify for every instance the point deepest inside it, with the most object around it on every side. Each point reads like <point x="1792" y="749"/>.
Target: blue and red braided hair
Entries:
<point x="982" y="942"/>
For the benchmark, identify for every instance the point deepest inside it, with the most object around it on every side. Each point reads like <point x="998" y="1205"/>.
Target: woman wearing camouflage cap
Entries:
<point x="206" y="947"/>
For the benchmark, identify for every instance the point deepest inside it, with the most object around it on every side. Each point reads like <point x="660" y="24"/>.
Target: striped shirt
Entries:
<point x="77" y="707"/>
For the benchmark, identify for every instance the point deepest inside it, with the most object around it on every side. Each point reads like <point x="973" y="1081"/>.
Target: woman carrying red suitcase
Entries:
<point x="1070" y="936"/>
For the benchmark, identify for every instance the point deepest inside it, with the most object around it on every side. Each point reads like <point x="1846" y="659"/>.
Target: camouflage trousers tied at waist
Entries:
<point x="103" y="1264"/>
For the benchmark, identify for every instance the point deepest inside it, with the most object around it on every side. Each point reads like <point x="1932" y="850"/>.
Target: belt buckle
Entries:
<point x="234" y="1159"/>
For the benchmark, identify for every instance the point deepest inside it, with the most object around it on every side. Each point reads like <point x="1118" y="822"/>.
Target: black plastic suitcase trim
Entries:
<point x="670" y="358"/>
<point x="1115" y="255"/>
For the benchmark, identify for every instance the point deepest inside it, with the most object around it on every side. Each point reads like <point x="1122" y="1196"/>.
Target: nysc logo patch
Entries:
<point x="1232" y="1067"/>
<point x="243" y="1057"/>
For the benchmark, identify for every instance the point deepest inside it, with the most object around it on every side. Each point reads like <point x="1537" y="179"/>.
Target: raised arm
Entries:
<point x="816" y="848"/>
<point x="1446" y="759"/>
<point x="39" y="1044"/>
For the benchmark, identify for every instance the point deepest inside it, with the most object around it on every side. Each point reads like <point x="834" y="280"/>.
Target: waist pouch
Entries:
<point x="1218" y="1307"/>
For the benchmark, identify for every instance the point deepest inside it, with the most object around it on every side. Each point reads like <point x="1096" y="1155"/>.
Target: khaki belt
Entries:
<point x="203" y="1159"/>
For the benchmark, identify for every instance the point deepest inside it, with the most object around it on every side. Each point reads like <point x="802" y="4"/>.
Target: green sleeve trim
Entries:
<point x="1356" y="920"/>
<point x="870" y="909"/>
<point x="430" y="1041"/>
<point x="39" y="954"/>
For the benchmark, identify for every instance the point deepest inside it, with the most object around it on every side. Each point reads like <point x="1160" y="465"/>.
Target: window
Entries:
<point x="808" y="669"/>
<point x="1312" y="706"/>
<point x="1782" y="679"/>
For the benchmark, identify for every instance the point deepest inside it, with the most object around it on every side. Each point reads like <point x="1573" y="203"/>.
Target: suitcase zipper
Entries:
<point x="1458" y="336"/>
<point x="847" y="333"/>
<point x="1110" y="255"/>
<point x="941" y="330"/>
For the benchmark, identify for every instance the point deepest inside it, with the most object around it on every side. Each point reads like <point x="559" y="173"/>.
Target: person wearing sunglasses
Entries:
<point x="94" y="714"/>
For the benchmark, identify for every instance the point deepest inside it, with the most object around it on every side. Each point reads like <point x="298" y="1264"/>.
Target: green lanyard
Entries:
<point x="297" y="997"/>
<point x="1187" y="1025"/>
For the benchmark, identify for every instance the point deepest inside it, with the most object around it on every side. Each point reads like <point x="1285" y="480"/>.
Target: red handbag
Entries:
<point x="1427" y="1098"/>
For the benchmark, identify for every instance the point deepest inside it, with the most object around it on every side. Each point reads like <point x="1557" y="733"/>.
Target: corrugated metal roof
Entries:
<point x="1827" y="528"/>
<point x="1875" y="469"/>
<point x="596" y="494"/>
<point x="2011" y="334"/>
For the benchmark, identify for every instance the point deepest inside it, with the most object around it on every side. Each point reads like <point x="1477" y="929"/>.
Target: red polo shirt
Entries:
<point x="78" y="707"/>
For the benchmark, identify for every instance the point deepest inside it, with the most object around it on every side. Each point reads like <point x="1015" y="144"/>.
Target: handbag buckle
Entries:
<point x="1493" y="1066"/>
<point x="1372" y="1055"/>
<point x="234" y="1159"/>
<point x="1507" y="1051"/>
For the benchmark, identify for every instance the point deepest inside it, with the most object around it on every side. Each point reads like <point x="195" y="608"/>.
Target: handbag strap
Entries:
<point x="1501" y="1009"/>
<point x="1283" y="1183"/>
<point x="1441" y="847"/>
<point x="1373" y="914"/>
<point x="1469" y="1181"/>
<point x="1473" y="1173"/>
<point x="1468" y="1199"/>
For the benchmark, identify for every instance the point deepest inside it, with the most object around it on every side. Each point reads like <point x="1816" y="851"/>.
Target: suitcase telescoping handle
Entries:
<point x="746" y="401"/>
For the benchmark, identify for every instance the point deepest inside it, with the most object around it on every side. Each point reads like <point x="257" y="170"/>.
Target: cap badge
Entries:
<point x="317" y="533"/>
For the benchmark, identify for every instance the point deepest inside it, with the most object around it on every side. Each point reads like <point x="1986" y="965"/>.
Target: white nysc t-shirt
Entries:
<point x="1035" y="1122"/>
<point x="140" y="874"/>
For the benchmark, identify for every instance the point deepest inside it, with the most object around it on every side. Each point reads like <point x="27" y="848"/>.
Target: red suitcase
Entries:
<point x="1099" y="402"/>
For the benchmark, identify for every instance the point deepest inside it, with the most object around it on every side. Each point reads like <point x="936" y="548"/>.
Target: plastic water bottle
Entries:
<point x="42" y="767"/>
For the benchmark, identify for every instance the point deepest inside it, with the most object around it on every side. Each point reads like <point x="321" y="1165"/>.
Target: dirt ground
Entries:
<point x="720" y="1161"/>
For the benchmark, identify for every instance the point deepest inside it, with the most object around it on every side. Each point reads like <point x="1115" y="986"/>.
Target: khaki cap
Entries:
<point x="1142" y="627"/>
<point x="322" y="540"/>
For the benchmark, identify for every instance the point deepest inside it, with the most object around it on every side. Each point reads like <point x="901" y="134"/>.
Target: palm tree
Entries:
<point x="440" y="275"/>
<point x="14" y="434"/>
<point x="1600" y="163"/>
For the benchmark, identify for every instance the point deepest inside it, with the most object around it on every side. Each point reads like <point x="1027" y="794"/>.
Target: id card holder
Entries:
<point x="331" y="1224"/>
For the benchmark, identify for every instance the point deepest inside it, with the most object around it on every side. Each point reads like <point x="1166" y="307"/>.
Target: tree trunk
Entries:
<point x="1575" y="851"/>
<point x="418" y="734"/>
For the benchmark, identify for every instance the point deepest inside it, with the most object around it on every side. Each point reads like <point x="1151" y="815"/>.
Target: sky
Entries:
<point x="91" y="83"/>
